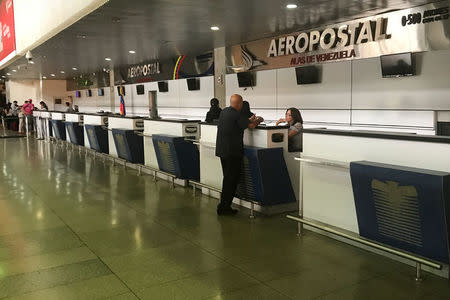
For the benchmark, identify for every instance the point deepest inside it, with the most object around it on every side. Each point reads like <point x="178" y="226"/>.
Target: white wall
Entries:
<point x="51" y="90"/>
<point x="21" y="90"/>
<point x="354" y="93"/>
<point x="178" y="102"/>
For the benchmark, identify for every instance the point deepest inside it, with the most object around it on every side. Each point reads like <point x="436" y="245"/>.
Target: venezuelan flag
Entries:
<point x="122" y="103"/>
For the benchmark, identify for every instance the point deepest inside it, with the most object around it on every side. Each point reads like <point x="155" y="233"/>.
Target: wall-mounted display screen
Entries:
<point x="163" y="86"/>
<point x="193" y="84"/>
<point x="397" y="65"/>
<point x="140" y="90"/>
<point x="101" y="92"/>
<point x="307" y="75"/>
<point x="78" y="94"/>
<point x="88" y="93"/>
<point x="118" y="90"/>
<point x="246" y="79"/>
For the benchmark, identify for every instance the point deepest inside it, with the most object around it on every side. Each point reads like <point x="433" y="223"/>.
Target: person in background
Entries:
<point x="43" y="105"/>
<point x="21" y="120"/>
<point x="15" y="109"/>
<point x="27" y="109"/>
<point x="75" y="108"/>
<point x="295" y="122"/>
<point x="214" y="111"/>
<point x="230" y="149"/>
<point x="69" y="108"/>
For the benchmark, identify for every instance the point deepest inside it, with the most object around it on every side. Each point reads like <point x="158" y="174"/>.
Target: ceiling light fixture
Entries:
<point x="215" y="28"/>
<point x="14" y="70"/>
<point x="291" y="6"/>
<point x="31" y="62"/>
<point x="53" y="75"/>
<point x="9" y="74"/>
<point x="3" y="76"/>
<point x="44" y="77"/>
<point x="107" y="59"/>
<point x="74" y="69"/>
<point x="62" y="72"/>
<point x="132" y="52"/>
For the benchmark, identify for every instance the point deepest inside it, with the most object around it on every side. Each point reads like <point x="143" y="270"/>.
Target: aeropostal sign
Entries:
<point x="417" y="29"/>
<point x="7" y="37"/>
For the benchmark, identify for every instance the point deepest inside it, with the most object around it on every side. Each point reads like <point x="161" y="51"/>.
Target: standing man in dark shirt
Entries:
<point x="230" y="149"/>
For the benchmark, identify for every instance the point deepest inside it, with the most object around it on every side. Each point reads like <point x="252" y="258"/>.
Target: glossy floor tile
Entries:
<point x="75" y="227"/>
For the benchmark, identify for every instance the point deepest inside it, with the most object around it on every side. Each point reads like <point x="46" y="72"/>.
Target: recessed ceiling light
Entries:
<point x="215" y="28"/>
<point x="44" y="77"/>
<point x="3" y="76"/>
<point x="62" y="72"/>
<point x="14" y="70"/>
<point x="74" y="69"/>
<point x="81" y="36"/>
<point x="53" y="75"/>
<point x="9" y="74"/>
<point x="107" y="58"/>
<point x="31" y="62"/>
<point x="291" y="6"/>
<point x="132" y="52"/>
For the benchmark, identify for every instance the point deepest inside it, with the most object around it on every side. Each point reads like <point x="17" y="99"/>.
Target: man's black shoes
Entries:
<point x="227" y="212"/>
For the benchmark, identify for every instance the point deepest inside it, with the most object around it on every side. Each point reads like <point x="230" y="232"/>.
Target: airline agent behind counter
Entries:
<point x="230" y="149"/>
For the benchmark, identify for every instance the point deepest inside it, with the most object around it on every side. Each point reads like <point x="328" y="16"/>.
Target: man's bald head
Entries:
<point x="236" y="102"/>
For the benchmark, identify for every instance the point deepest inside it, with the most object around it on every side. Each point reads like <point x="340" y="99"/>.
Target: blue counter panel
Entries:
<point x="177" y="156"/>
<point x="264" y="177"/>
<point x="98" y="138"/>
<point x="406" y="208"/>
<point x="129" y="145"/>
<point x="58" y="129"/>
<point x="76" y="133"/>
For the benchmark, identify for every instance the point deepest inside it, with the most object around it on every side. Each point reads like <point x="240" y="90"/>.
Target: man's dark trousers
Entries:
<point x="231" y="168"/>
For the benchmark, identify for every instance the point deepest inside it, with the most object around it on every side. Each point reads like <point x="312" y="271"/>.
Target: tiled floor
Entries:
<point x="75" y="228"/>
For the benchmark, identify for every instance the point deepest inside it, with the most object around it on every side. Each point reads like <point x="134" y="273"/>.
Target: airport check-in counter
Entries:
<point x="123" y="141"/>
<point x="172" y="133"/>
<point x="96" y="132"/>
<point x="265" y="167"/>
<point x="392" y="188"/>
<point x="75" y="128"/>
<point x="58" y="127"/>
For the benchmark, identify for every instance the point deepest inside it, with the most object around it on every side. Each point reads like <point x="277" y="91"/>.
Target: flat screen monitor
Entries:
<point x="163" y="86"/>
<point x="101" y="92"/>
<point x="118" y="90"/>
<point x="140" y="90"/>
<point x="246" y="79"/>
<point x="193" y="84"/>
<point x="397" y="65"/>
<point x="88" y="93"/>
<point x="307" y="75"/>
<point x="78" y="94"/>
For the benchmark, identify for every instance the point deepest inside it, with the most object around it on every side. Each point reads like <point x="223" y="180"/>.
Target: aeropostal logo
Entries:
<point x="330" y="38"/>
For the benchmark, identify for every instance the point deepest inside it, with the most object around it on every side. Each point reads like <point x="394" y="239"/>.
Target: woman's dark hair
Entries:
<point x="43" y="104"/>
<point x="214" y="102"/>
<point x="296" y="116"/>
<point x="246" y="109"/>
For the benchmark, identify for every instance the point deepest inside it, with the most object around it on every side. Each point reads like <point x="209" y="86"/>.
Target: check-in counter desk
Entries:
<point x="39" y="123"/>
<point x="266" y="179"/>
<point x="58" y="127"/>
<point x="388" y="187"/>
<point x="167" y="149"/>
<point x="96" y="132"/>
<point x="46" y="117"/>
<point x="123" y="140"/>
<point x="74" y="128"/>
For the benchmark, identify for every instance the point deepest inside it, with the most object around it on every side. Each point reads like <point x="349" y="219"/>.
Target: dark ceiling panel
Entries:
<point x="163" y="29"/>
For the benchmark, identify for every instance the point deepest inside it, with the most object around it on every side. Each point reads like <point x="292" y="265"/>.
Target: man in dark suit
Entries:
<point x="230" y="149"/>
